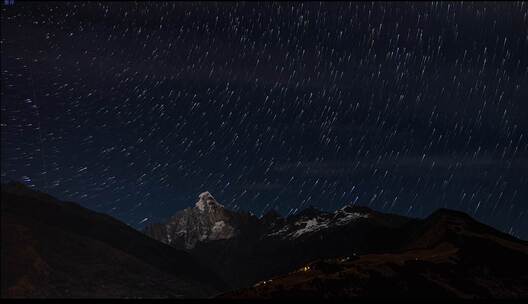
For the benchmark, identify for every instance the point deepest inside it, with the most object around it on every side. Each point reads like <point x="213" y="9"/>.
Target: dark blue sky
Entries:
<point x="133" y="109"/>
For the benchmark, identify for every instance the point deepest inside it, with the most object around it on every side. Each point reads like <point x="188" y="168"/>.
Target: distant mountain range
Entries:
<point x="52" y="248"/>
<point x="352" y="252"/>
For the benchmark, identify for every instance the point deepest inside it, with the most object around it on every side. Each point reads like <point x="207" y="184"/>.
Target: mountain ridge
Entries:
<point x="66" y="240"/>
<point x="53" y="248"/>
<point x="254" y="252"/>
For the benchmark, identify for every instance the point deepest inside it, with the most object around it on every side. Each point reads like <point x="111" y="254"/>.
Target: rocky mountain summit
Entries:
<point x="207" y="220"/>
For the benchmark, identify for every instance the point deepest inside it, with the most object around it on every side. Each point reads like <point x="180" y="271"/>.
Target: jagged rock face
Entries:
<point x="208" y="220"/>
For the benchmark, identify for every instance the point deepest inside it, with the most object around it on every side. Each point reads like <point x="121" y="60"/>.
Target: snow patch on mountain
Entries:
<point x="348" y="217"/>
<point x="279" y="232"/>
<point x="206" y="201"/>
<point x="221" y="231"/>
<point x="310" y="225"/>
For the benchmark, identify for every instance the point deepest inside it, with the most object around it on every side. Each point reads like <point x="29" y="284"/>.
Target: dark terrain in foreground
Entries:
<point x="56" y="249"/>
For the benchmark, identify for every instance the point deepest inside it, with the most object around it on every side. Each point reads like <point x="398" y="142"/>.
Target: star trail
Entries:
<point x="133" y="109"/>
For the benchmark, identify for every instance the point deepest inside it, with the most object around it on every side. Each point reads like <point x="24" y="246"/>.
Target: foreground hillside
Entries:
<point x="59" y="249"/>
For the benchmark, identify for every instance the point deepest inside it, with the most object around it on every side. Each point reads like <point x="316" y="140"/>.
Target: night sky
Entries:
<point x="133" y="109"/>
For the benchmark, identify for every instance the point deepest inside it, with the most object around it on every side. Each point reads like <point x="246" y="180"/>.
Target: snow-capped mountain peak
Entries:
<point x="206" y="201"/>
<point x="207" y="221"/>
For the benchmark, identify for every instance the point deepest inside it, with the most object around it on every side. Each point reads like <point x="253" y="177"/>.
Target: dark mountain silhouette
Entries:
<point x="52" y="248"/>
